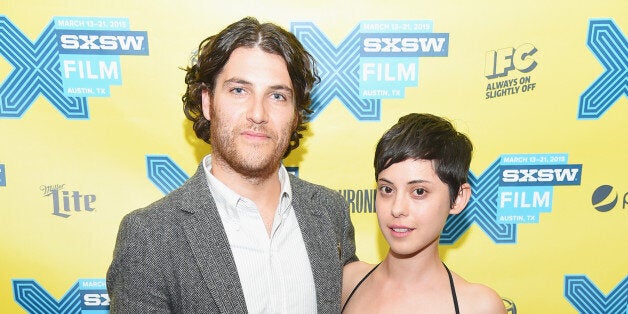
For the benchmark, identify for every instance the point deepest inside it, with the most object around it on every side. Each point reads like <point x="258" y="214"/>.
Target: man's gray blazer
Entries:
<point x="174" y="257"/>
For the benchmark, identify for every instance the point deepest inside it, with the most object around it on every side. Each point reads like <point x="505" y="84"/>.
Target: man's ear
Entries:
<point x="205" y="103"/>
<point x="464" y="194"/>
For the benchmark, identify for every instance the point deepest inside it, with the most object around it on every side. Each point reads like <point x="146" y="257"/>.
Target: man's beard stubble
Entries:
<point x="246" y="161"/>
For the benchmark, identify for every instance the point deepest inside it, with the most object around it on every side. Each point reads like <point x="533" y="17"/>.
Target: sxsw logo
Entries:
<point x="102" y="42"/>
<point x="526" y="184"/>
<point x="73" y="58"/>
<point x="540" y="175"/>
<point x="610" y="46"/>
<point x="515" y="189"/>
<point x="85" y="296"/>
<point x="376" y="61"/>
<point x="606" y="197"/>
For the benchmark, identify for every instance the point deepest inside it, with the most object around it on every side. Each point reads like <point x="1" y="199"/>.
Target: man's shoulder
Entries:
<point x="300" y="185"/>
<point x="164" y="208"/>
<point x="174" y="203"/>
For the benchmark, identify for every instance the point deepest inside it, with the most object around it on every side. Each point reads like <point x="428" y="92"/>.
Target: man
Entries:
<point x="241" y="235"/>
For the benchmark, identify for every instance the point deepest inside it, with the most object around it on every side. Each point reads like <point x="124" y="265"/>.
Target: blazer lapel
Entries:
<point x="210" y="246"/>
<point x="321" y="247"/>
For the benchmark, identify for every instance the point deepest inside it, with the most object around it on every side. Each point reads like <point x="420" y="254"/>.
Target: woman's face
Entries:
<point x="412" y="205"/>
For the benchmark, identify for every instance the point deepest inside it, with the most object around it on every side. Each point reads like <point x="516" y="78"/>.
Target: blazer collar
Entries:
<point x="210" y="246"/>
<point x="321" y="244"/>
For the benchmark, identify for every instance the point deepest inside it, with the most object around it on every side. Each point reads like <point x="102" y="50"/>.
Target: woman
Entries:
<point x="421" y="167"/>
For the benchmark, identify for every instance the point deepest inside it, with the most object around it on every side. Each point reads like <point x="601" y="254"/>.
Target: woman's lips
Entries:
<point x="400" y="231"/>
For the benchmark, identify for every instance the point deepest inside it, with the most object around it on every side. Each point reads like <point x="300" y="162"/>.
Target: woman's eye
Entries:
<point x="386" y="189"/>
<point x="419" y="192"/>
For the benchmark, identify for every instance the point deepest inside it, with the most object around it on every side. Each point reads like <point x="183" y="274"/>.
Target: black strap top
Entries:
<point x="451" y="284"/>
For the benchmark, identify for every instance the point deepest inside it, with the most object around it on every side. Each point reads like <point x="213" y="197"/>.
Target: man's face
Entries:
<point x="252" y="113"/>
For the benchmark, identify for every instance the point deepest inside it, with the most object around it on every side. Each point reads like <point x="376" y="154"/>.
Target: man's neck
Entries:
<point x="264" y="190"/>
<point x="249" y="186"/>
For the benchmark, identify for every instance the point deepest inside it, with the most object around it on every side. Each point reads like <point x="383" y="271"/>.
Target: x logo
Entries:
<point x="587" y="298"/>
<point x="610" y="47"/>
<point x="481" y="209"/>
<point x="164" y="173"/>
<point x="35" y="71"/>
<point x="339" y="69"/>
<point x="35" y="300"/>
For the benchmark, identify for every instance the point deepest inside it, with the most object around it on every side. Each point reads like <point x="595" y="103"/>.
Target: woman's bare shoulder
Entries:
<point x="352" y="273"/>
<point x="478" y="298"/>
<point x="357" y="267"/>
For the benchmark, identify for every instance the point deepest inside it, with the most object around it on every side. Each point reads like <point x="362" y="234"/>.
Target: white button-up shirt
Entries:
<point x="274" y="271"/>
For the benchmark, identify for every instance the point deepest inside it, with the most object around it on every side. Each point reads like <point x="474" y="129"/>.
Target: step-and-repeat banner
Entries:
<point x="92" y="127"/>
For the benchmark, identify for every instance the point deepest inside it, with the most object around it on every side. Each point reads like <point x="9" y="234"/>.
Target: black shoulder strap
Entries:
<point x="358" y="285"/>
<point x="453" y="289"/>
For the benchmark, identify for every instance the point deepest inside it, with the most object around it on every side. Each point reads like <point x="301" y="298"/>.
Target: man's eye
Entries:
<point x="237" y="90"/>
<point x="278" y="96"/>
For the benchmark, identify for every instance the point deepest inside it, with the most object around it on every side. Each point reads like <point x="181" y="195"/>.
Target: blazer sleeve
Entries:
<point x="347" y="240"/>
<point x="135" y="282"/>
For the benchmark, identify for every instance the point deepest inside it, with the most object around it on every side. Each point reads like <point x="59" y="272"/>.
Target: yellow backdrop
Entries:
<point x="93" y="128"/>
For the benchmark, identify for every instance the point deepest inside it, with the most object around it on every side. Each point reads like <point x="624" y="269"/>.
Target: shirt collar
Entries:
<point x="229" y="199"/>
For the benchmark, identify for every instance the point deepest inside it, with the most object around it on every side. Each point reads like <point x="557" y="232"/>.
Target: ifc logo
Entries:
<point x="604" y="198"/>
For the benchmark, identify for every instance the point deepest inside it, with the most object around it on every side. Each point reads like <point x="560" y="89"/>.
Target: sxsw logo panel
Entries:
<point x="86" y="296"/>
<point x="377" y="60"/>
<point x="514" y="190"/>
<point x="74" y="58"/>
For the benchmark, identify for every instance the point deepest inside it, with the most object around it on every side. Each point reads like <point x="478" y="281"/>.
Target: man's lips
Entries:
<point x="255" y="135"/>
